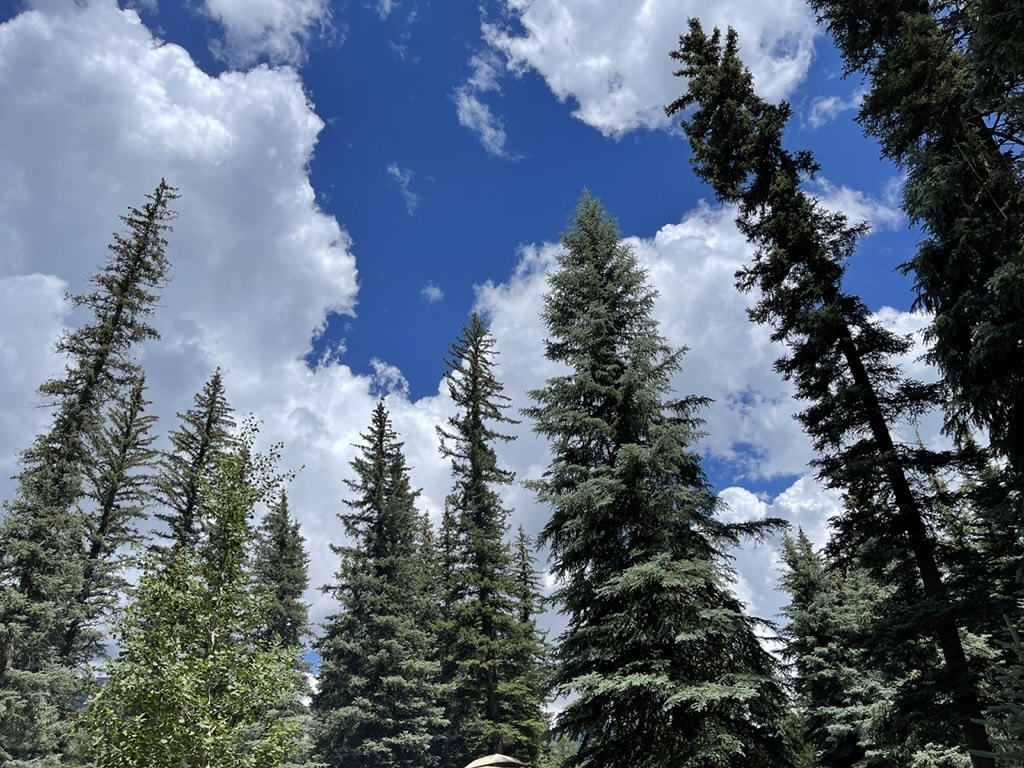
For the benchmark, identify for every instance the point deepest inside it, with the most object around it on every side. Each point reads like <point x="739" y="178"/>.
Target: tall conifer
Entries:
<point x="281" y="568"/>
<point x="493" y="704"/>
<point x="49" y="594"/>
<point x="660" y="663"/>
<point x="378" y="703"/>
<point x="840" y="358"/>
<point x="204" y="431"/>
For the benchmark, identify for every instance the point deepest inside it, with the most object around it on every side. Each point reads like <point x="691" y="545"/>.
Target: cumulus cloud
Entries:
<point x="256" y="267"/>
<point x="610" y="59"/>
<point x="473" y="113"/>
<point x="403" y="177"/>
<point x="269" y="30"/>
<point x="384" y="8"/>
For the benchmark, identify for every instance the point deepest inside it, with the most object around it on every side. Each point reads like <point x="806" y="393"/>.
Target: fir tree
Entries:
<point x="116" y="487"/>
<point x="378" y="703"/>
<point x="493" y="704"/>
<point x="841" y="360"/>
<point x="55" y="571"/>
<point x="192" y="683"/>
<point x="203" y="433"/>
<point x="661" y="664"/>
<point x="944" y="100"/>
<point x="281" y="568"/>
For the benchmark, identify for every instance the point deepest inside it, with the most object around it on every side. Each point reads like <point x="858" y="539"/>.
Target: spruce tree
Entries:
<point x="281" y="569"/>
<point x="660" y="664"/>
<point x="840" y="358"/>
<point x="493" y="704"/>
<point x="378" y="703"/>
<point x="843" y="699"/>
<point x="192" y="683"/>
<point x="55" y="568"/>
<point x="203" y="433"/>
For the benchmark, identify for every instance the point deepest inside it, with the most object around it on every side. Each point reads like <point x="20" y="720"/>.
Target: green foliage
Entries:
<point x="192" y="684"/>
<point x="843" y="364"/>
<point x="661" y="664"/>
<point x="203" y="433"/>
<point x="78" y="494"/>
<point x="490" y="654"/>
<point x="281" y="569"/>
<point x="944" y="101"/>
<point x="378" y="703"/>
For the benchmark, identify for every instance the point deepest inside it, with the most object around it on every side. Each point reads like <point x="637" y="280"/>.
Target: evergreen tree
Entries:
<point x="841" y="360"/>
<point x="192" y="683"/>
<point x="944" y="99"/>
<point x="493" y="703"/>
<point x="116" y="488"/>
<point x="378" y="703"/>
<point x="661" y="664"/>
<point x="842" y="699"/>
<point x="55" y="550"/>
<point x="203" y="433"/>
<point x="281" y="568"/>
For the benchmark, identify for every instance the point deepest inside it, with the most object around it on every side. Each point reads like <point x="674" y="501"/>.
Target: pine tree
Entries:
<point x="840" y="359"/>
<point x="192" y="683"/>
<point x="281" y="568"/>
<point x="203" y="433"/>
<point x="944" y="100"/>
<point x="492" y="703"/>
<point x="661" y="664"/>
<point x="378" y="703"/>
<point x="55" y="568"/>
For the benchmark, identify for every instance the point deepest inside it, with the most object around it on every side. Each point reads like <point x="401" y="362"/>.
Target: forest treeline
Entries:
<point x="151" y="607"/>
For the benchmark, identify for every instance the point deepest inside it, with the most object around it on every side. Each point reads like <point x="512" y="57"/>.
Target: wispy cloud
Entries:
<point x="471" y="110"/>
<point x="826" y="109"/>
<point x="432" y="292"/>
<point x="384" y="8"/>
<point x="404" y="177"/>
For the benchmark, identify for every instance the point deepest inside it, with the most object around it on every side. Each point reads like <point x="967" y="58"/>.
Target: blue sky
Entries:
<point x="356" y="177"/>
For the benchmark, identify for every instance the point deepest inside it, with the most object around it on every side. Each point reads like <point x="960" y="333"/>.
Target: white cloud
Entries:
<point x="473" y="113"/>
<point x="384" y="8"/>
<point x="826" y="109"/>
<point x="403" y="177"/>
<point x="432" y="292"/>
<point x="611" y="59"/>
<point x="273" y="30"/>
<point x="861" y="207"/>
<point x="256" y="266"/>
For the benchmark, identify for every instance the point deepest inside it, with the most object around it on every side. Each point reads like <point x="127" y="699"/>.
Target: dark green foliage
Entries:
<point x="281" y="569"/>
<point x="77" y="494"/>
<point x="843" y="701"/>
<point x="192" y="683"/>
<point x="840" y="359"/>
<point x="378" y="704"/>
<point x="489" y="655"/>
<point x="203" y="433"/>
<point x="662" y="665"/>
<point x="944" y="101"/>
